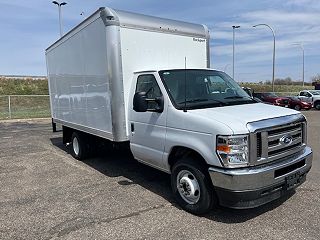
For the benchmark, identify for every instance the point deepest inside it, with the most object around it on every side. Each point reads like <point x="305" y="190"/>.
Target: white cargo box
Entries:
<point x="90" y="69"/>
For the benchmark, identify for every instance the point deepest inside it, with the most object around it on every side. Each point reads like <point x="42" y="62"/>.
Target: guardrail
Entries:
<point x="24" y="106"/>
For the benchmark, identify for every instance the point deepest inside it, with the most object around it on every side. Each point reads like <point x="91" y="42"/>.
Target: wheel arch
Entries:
<point x="316" y="102"/>
<point x="66" y="134"/>
<point x="179" y="152"/>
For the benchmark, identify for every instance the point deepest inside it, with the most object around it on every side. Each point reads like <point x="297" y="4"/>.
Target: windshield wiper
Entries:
<point x="195" y="100"/>
<point x="233" y="97"/>
<point x="202" y="100"/>
<point x="238" y="97"/>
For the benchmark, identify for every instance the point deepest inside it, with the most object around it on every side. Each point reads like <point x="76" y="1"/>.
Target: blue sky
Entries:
<point x="28" y="27"/>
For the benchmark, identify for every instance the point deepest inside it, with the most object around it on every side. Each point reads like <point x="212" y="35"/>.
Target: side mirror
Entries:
<point x="140" y="103"/>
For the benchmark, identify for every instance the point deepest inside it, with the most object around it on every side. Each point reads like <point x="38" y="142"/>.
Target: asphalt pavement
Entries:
<point x="47" y="194"/>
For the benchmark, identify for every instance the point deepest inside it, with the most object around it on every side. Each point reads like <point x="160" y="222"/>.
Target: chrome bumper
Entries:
<point x="259" y="181"/>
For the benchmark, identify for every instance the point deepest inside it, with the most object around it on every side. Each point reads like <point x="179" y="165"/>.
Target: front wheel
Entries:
<point x="297" y="107"/>
<point x="191" y="187"/>
<point x="317" y="105"/>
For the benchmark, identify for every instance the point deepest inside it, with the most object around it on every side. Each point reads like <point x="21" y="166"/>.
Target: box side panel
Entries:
<point x="79" y="85"/>
<point x="148" y="50"/>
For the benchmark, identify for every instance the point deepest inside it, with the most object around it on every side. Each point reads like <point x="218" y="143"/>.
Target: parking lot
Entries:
<point x="47" y="194"/>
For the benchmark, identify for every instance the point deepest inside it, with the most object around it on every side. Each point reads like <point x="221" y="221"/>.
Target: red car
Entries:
<point x="273" y="99"/>
<point x="297" y="104"/>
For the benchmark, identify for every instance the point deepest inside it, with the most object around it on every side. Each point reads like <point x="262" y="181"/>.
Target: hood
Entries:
<point x="237" y="117"/>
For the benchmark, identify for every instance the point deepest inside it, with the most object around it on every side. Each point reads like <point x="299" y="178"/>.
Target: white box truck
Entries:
<point x="146" y="82"/>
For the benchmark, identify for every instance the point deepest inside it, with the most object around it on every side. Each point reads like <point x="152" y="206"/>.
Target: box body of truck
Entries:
<point x="90" y="69"/>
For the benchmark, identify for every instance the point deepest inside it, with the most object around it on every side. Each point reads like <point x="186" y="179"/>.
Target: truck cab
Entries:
<point x="312" y="96"/>
<point x="207" y="132"/>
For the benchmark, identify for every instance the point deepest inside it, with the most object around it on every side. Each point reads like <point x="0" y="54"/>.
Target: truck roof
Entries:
<point x="140" y="21"/>
<point x="167" y="69"/>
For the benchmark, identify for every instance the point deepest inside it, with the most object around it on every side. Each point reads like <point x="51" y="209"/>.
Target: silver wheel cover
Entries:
<point x="75" y="145"/>
<point x="188" y="187"/>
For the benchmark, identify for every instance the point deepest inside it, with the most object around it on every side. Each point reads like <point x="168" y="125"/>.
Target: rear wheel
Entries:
<point x="297" y="107"/>
<point x="191" y="187"/>
<point x="79" y="148"/>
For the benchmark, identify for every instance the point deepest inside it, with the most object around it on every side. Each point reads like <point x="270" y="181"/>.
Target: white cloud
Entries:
<point x="304" y="3"/>
<point x="255" y="46"/>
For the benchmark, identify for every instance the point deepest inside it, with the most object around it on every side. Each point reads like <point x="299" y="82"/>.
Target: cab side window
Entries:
<point x="148" y="83"/>
<point x="305" y="94"/>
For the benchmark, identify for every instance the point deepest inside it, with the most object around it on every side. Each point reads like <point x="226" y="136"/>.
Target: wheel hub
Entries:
<point x="75" y="145"/>
<point x="188" y="187"/>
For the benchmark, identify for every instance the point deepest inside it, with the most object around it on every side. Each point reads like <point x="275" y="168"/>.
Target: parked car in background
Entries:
<point x="298" y="104"/>
<point x="273" y="99"/>
<point x="312" y="96"/>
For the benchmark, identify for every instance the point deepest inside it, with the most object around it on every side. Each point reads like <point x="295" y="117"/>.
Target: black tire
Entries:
<point x="297" y="107"/>
<point x="317" y="105"/>
<point x="79" y="147"/>
<point x="206" y="199"/>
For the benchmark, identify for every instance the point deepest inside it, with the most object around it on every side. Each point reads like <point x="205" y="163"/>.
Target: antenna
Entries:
<point x="185" y="84"/>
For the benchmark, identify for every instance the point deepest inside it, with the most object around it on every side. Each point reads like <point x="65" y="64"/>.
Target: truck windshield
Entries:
<point x="202" y="89"/>
<point x="315" y="92"/>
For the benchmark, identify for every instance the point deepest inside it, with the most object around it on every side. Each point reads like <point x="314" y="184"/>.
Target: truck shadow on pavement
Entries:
<point x="120" y="163"/>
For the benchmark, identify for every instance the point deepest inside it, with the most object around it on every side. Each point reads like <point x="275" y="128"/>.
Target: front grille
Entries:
<point x="279" y="151"/>
<point x="279" y="142"/>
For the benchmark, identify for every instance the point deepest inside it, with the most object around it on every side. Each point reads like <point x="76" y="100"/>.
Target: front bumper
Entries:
<point x="254" y="186"/>
<point x="306" y="107"/>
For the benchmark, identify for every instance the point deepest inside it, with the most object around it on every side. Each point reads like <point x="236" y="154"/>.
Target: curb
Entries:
<point x="25" y="120"/>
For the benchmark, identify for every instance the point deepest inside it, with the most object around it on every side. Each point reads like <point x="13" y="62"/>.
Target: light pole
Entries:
<point x="60" y="17"/>
<point x="302" y="48"/>
<point x="274" y="50"/>
<point x="233" y="27"/>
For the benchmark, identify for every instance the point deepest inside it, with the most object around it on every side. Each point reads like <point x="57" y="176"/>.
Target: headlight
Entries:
<point x="233" y="150"/>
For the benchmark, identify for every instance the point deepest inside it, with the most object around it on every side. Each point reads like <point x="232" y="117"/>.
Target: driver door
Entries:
<point x="305" y="96"/>
<point x="148" y="129"/>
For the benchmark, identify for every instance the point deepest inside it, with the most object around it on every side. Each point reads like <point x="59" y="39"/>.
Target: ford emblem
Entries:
<point x="286" y="140"/>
